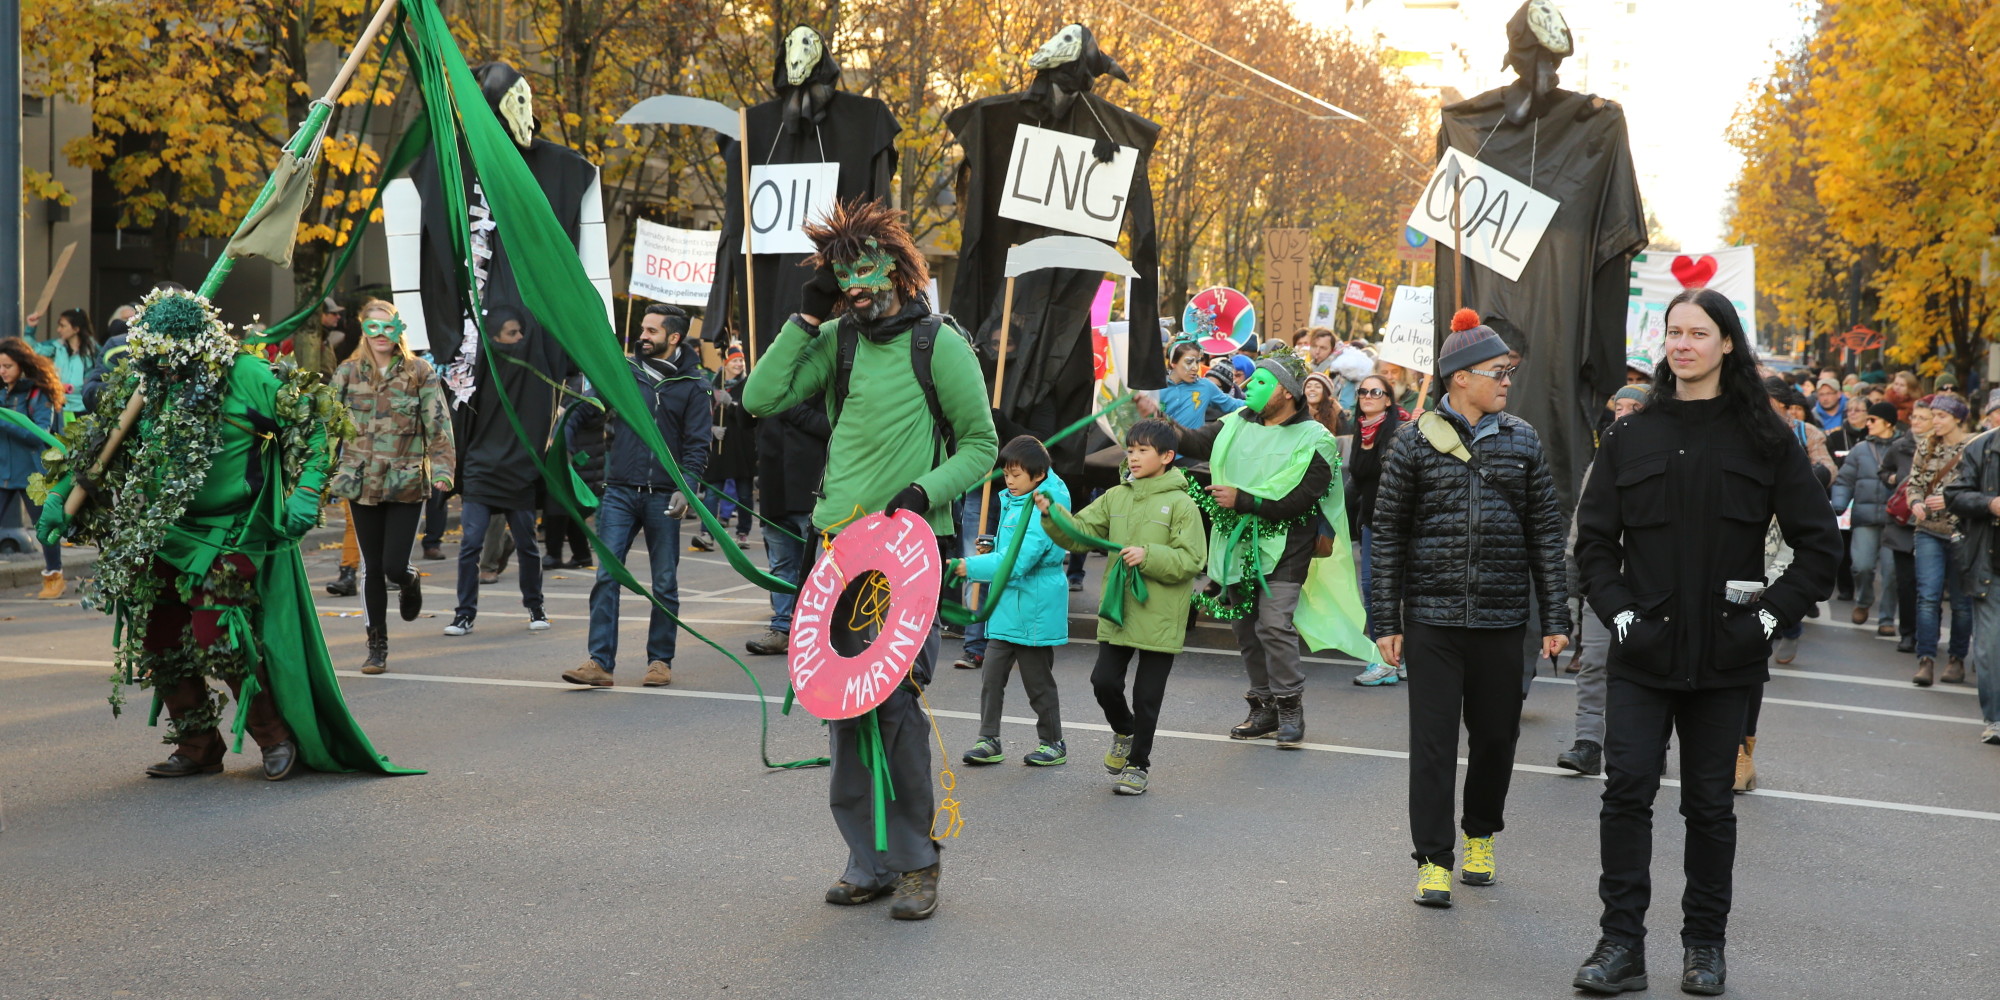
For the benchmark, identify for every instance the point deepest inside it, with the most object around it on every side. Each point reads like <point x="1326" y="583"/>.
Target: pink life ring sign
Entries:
<point x="902" y="549"/>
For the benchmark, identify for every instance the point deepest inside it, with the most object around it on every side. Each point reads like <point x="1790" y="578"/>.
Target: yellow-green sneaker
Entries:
<point x="1477" y="869"/>
<point x="1433" y="885"/>
<point x="1121" y="752"/>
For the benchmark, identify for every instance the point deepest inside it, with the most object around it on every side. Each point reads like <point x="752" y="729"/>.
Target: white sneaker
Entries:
<point x="459" y="625"/>
<point x="537" y="621"/>
<point x="1991" y="735"/>
<point x="1377" y="674"/>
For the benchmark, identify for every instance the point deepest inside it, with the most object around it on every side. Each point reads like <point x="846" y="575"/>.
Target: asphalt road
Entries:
<point x="572" y="843"/>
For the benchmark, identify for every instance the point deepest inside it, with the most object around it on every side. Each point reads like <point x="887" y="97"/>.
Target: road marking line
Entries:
<point x="1098" y="727"/>
<point x="1829" y="706"/>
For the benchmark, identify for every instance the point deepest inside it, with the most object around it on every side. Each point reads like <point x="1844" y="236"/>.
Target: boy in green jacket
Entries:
<point x="1153" y="531"/>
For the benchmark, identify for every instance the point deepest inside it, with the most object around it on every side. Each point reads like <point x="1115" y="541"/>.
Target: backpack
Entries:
<point x="923" y="343"/>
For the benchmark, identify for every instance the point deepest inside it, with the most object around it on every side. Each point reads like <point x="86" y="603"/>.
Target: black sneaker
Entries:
<point x="410" y="597"/>
<point x="1613" y="967"/>
<point x="1584" y="757"/>
<point x="459" y="625"/>
<point x="701" y="543"/>
<point x="538" y="620"/>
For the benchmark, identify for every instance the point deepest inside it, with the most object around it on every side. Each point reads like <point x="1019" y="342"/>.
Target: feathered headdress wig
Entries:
<point x="845" y="235"/>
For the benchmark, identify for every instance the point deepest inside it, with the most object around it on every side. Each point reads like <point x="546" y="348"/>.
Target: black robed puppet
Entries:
<point x="1566" y="314"/>
<point x="1050" y="373"/>
<point x="810" y="121"/>
<point x="493" y="466"/>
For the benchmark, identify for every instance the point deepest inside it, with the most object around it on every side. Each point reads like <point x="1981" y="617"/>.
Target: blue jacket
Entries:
<point x="20" y="451"/>
<point x="682" y="404"/>
<point x="1192" y="404"/>
<point x="1034" y="611"/>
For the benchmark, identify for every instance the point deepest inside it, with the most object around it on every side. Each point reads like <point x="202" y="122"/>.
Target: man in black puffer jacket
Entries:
<point x="1465" y="520"/>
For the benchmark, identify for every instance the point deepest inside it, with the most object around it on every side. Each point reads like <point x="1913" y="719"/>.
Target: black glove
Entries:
<point x="818" y="295"/>
<point x="912" y="499"/>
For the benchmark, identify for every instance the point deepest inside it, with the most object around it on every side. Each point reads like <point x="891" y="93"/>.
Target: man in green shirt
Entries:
<point x="865" y="335"/>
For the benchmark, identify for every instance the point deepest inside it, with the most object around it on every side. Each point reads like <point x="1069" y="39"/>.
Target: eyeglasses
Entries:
<point x="1370" y="393"/>
<point x="1497" y="374"/>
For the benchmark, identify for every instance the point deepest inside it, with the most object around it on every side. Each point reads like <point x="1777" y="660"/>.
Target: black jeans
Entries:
<point x="1149" y="688"/>
<point x="383" y="531"/>
<point x="1638" y="721"/>
<point x="557" y="527"/>
<point x="434" y="517"/>
<point x="1473" y="673"/>
<point x="1906" y="593"/>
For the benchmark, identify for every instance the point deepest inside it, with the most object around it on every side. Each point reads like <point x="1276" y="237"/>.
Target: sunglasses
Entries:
<point x="1497" y="374"/>
<point x="1370" y="393"/>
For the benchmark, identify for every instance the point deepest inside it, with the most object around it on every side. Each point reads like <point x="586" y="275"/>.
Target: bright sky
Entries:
<point x="1680" y="68"/>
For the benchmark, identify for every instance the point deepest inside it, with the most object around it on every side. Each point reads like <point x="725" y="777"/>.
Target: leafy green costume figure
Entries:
<point x="198" y="514"/>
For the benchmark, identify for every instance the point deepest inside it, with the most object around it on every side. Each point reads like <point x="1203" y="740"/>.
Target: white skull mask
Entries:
<point x="1549" y="26"/>
<point x="803" y="51"/>
<point x="517" y="112"/>
<point x="1065" y="47"/>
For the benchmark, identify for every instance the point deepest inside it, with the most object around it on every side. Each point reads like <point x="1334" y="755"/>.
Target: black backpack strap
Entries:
<point x="846" y="343"/>
<point x="923" y="344"/>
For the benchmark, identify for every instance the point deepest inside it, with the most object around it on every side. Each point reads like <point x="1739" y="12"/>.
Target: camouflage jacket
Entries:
<point x="404" y="438"/>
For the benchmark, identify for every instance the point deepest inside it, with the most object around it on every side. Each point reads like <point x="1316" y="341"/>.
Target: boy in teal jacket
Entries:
<point x="1152" y="531"/>
<point x="1032" y="617"/>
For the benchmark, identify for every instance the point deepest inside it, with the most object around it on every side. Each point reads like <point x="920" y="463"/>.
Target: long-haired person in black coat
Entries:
<point x="1670" y="546"/>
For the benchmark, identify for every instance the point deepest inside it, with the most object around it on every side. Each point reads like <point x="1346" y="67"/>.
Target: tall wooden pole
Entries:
<point x="749" y="261"/>
<point x="999" y="380"/>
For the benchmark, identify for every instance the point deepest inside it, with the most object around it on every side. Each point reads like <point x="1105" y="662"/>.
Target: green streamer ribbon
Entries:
<point x="869" y="745"/>
<point x="20" y="419"/>
<point x="1120" y="581"/>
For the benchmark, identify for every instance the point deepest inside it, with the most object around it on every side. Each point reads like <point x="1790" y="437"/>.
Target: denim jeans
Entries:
<point x="1363" y="558"/>
<point x="1936" y="572"/>
<point x="968" y="535"/>
<point x="1864" y="551"/>
<point x="729" y="498"/>
<point x="474" y="517"/>
<point x="789" y="560"/>
<point x="620" y="514"/>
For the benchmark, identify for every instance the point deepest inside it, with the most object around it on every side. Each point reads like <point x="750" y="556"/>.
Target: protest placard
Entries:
<point x="786" y="196"/>
<point x="1409" y="338"/>
<point x="1503" y="219"/>
<point x="673" y="265"/>
<point x="1054" y="180"/>
<point x="1287" y="282"/>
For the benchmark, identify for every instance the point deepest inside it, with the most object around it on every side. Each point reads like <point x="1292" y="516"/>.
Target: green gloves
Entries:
<point x="54" y="522"/>
<point x="301" y="512"/>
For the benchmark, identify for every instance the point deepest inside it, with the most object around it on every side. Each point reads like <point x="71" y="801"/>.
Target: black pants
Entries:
<point x="1906" y="593"/>
<point x="1149" y="688"/>
<point x="383" y="532"/>
<point x="1753" y="709"/>
<point x="434" y="517"/>
<point x="1473" y="673"/>
<point x="557" y="527"/>
<point x="1843" y="578"/>
<point x="1638" y="721"/>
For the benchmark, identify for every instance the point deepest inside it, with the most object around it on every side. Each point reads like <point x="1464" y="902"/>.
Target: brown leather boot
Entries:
<point x="1954" y="670"/>
<point x="52" y="585"/>
<point x="1746" y="767"/>
<point x="1926" y="671"/>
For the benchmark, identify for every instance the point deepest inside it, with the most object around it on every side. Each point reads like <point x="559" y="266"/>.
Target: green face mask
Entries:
<point x="871" y="271"/>
<point x="1258" y="391"/>
<point x="390" y="328"/>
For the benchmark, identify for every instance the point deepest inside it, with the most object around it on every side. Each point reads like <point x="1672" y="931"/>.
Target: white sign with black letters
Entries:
<point x="1054" y="180"/>
<point x="1503" y="219"/>
<point x="1408" y="337"/>
<point x="783" y="198"/>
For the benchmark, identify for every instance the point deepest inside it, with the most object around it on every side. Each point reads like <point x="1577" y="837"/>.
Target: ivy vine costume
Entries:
<point x="198" y="515"/>
<point x="1262" y="552"/>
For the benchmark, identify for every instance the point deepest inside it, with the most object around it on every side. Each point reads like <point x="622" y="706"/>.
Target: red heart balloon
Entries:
<point x="1692" y="273"/>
